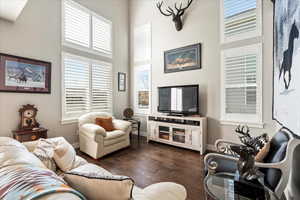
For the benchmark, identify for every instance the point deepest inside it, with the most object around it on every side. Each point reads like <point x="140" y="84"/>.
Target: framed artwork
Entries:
<point x="25" y="75"/>
<point x="121" y="81"/>
<point x="183" y="59"/>
<point x="286" y="71"/>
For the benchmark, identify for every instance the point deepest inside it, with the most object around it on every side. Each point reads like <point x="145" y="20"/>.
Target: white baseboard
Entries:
<point x="211" y="147"/>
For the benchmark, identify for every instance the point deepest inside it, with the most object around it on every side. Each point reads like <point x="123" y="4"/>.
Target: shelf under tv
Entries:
<point x="193" y="131"/>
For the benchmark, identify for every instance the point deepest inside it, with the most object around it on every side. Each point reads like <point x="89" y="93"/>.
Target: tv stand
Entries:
<point x="186" y="132"/>
<point x="175" y="114"/>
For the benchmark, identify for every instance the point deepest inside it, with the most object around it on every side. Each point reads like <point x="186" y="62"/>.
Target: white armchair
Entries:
<point x="95" y="141"/>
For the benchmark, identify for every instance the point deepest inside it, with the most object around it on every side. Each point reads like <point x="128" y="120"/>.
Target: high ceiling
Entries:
<point x="11" y="9"/>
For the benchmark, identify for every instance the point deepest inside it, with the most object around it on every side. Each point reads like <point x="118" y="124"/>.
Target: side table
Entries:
<point x="136" y="126"/>
<point x="29" y="135"/>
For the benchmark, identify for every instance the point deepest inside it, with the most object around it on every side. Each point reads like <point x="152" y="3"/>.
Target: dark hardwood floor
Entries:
<point x="155" y="162"/>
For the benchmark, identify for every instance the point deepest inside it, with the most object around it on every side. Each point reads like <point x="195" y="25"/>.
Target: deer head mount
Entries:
<point x="177" y="17"/>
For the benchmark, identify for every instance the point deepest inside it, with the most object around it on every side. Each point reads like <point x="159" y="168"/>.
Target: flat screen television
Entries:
<point x="179" y="100"/>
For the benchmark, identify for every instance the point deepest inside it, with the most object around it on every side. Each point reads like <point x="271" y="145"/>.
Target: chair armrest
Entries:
<point x="211" y="163"/>
<point x="278" y="165"/>
<point x="223" y="146"/>
<point x="92" y="128"/>
<point x="121" y="124"/>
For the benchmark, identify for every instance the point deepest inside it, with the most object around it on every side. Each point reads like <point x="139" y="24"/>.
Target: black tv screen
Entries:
<point x="179" y="99"/>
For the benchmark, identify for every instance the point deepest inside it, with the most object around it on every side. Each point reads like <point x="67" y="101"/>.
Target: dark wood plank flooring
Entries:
<point x="154" y="162"/>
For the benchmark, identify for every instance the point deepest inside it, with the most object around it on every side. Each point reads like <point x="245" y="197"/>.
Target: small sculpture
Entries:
<point x="246" y="164"/>
<point x="247" y="152"/>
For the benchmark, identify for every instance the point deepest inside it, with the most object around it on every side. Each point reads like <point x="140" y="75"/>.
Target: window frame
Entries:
<point x="253" y="120"/>
<point x="142" y="63"/>
<point x="72" y="118"/>
<point x="243" y="36"/>
<point x="92" y="14"/>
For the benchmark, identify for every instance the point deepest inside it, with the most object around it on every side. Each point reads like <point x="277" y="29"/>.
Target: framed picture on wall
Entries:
<point x="25" y="75"/>
<point x="183" y="59"/>
<point x="286" y="73"/>
<point x="121" y="81"/>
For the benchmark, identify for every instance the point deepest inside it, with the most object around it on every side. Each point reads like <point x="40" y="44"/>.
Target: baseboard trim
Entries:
<point x="211" y="147"/>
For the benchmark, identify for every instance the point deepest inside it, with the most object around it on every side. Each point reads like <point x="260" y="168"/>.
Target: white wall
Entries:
<point x="37" y="34"/>
<point x="201" y="24"/>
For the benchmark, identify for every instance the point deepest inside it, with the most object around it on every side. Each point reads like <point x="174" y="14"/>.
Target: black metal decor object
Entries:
<point x="177" y="16"/>
<point x="246" y="163"/>
<point x="247" y="152"/>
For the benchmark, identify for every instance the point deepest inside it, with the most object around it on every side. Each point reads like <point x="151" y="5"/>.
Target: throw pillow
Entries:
<point x="263" y="152"/>
<point x="44" y="150"/>
<point x="105" y="122"/>
<point x="64" y="155"/>
<point x="95" y="183"/>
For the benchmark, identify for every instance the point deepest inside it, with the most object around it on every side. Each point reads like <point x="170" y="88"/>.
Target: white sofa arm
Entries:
<point x="121" y="124"/>
<point x="94" y="129"/>
<point x="165" y="191"/>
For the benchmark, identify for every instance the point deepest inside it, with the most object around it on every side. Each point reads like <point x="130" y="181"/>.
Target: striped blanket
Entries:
<point x="28" y="182"/>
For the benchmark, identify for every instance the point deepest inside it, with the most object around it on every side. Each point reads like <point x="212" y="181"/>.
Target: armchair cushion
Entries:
<point x="272" y="176"/>
<point x="121" y="124"/>
<point x="105" y="122"/>
<point x="92" y="130"/>
<point x="114" y="134"/>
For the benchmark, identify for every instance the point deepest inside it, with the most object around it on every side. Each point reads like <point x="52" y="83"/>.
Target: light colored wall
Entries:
<point x="201" y="24"/>
<point x="37" y="34"/>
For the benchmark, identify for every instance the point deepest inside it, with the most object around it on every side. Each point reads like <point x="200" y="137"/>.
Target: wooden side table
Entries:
<point x="29" y="135"/>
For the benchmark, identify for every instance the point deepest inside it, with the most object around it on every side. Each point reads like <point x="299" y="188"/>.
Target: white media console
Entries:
<point x="186" y="132"/>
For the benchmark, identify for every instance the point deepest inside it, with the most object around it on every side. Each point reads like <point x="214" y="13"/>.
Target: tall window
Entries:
<point x="87" y="86"/>
<point x="240" y="19"/>
<point x="241" y="80"/>
<point x="85" y="30"/>
<point x="241" y="88"/>
<point x="142" y="69"/>
<point x="87" y="83"/>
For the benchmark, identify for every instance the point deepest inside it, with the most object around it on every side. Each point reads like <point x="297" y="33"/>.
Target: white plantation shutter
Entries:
<point x="242" y="90"/>
<point x="76" y="24"/>
<point x="241" y="19"/>
<point x="85" y="30"/>
<point x="87" y="83"/>
<point x="102" y="33"/>
<point x="102" y="87"/>
<point x="87" y="86"/>
<point x="76" y="85"/>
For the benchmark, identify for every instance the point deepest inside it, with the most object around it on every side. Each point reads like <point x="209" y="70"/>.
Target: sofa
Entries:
<point x="16" y="155"/>
<point x="95" y="141"/>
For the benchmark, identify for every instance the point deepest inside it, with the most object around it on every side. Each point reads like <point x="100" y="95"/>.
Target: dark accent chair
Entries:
<point x="276" y="165"/>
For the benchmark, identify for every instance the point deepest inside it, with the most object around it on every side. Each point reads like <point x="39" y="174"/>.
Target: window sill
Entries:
<point x="86" y="49"/>
<point x="69" y="121"/>
<point x="236" y="123"/>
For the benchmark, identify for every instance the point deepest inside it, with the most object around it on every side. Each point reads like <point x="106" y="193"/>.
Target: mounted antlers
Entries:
<point x="176" y="17"/>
